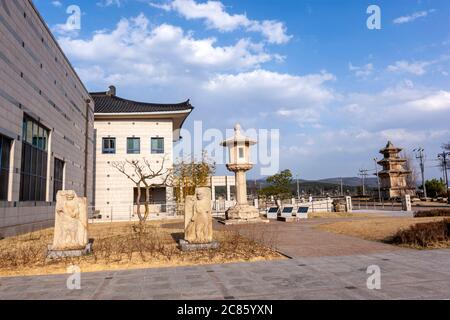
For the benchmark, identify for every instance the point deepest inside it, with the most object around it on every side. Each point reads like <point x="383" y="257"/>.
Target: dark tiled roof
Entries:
<point x="105" y="103"/>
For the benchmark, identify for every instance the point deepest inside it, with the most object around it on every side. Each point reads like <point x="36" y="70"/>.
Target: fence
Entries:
<point x="370" y="204"/>
<point x="128" y="212"/>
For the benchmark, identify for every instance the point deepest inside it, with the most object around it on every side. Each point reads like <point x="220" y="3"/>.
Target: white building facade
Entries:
<point x="127" y="130"/>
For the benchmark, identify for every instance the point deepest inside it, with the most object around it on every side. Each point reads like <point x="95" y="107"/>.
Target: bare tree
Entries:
<point x="446" y="146"/>
<point x="145" y="176"/>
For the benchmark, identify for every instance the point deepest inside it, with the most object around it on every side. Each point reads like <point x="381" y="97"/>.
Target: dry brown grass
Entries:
<point x="334" y="215"/>
<point x="378" y="229"/>
<point x="119" y="246"/>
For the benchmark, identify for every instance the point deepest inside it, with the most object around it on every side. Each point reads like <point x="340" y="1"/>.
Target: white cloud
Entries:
<point x="416" y="68"/>
<point x="134" y="47"/>
<point x="413" y="16"/>
<point x="363" y="71"/>
<point x="435" y="101"/>
<point x="284" y="88"/>
<point x="57" y="3"/>
<point x="107" y="3"/>
<point x="216" y="17"/>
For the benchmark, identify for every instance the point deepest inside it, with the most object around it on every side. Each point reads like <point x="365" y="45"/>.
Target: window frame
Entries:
<point x="6" y="144"/>
<point x="134" y="150"/>
<point x="109" y="150"/>
<point x="58" y="176"/>
<point x="33" y="169"/>
<point x="157" y="150"/>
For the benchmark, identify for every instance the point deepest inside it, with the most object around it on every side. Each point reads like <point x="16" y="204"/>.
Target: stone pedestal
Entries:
<point x="186" y="246"/>
<point x="58" y="254"/>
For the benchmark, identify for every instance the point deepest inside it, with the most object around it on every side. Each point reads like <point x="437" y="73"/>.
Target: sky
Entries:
<point x="336" y="90"/>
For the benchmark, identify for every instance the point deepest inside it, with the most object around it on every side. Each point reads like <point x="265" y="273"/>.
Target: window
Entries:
<point x="241" y="153"/>
<point x="58" y="177"/>
<point x="157" y="145"/>
<point x="33" y="173"/>
<point x="133" y="145"/>
<point x="5" y="149"/>
<point x="109" y="145"/>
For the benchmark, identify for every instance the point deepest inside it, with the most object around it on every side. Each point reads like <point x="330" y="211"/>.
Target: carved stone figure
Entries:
<point x="198" y="218"/>
<point x="71" y="221"/>
<point x="339" y="205"/>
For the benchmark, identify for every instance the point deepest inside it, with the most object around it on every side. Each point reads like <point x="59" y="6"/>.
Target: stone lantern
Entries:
<point x="240" y="163"/>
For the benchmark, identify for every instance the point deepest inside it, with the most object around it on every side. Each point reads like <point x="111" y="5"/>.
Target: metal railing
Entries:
<point x="128" y="212"/>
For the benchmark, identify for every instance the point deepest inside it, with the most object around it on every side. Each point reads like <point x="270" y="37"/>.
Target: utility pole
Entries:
<point x="342" y="188"/>
<point x="378" y="179"/>
<point x="363" y="174"/>
<point x="298" y="189"/>
<point x="420" y="155"/>
<point x="444" y="158"/>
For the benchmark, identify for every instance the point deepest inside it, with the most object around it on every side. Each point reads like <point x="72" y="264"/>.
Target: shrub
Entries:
<point x="424" y="234"/>
<point x="432" y="213"/>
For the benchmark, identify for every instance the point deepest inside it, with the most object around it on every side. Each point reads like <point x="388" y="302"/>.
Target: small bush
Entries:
<point x="424" y="234"/>
<point x="432" y="213"/>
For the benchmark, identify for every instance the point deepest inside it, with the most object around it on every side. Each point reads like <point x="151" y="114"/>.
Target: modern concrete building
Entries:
<point x="46" y="122"/>
<point x="393" y="177"/>
<point x="131" y="130"/>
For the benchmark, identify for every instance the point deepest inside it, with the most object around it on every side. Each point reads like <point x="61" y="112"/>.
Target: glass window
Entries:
<point x="157" y="145"/>
<point x="29" y="131"/>
<point x="133" y="145"/>
<point x="33" y="172"/>
<point x="5" y="150"/>
<point x="35" y="134"/>
<point x="109" y="145"/>
<point x="58" y="177"/>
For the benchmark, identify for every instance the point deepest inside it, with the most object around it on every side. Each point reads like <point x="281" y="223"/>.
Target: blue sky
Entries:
<point x="336" y="90"/>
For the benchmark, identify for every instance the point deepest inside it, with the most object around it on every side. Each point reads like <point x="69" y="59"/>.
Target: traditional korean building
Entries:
<point x="132" y="130"/>
<point x="393" y="177"/>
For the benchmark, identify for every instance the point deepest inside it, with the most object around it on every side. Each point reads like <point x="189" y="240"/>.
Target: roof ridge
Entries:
<point x="103" y="93"/>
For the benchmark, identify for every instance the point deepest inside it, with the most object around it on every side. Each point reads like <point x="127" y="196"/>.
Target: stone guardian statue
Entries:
<point x="71" y="222"/>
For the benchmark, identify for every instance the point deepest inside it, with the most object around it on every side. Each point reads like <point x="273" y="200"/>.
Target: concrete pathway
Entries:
<point x="302" y="239"/>
<point x="387" y="213"/>
<point x="323" y="266"/>
<point x="404" y="275"/>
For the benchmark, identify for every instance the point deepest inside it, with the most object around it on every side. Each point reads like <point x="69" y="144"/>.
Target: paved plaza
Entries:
<point x="321" y="266"/>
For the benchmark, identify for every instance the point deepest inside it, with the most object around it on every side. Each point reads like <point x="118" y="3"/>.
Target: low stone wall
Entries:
<point x="22" y="217"/>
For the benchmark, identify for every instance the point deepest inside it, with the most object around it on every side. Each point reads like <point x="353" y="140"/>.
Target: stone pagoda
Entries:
<point x="239" y="163"/>
<point x="393" y="176"/>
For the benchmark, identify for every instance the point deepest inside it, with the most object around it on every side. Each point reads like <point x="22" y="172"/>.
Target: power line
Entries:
<point x="420" y="155"/>
<point x="444" y="158"/>
<point x="363" y="173"/>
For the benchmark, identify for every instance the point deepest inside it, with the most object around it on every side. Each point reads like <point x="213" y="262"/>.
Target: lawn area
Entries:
<point x="379" y="229"/>
<point x="119" y="246"/>
<point x="329" y="215"/>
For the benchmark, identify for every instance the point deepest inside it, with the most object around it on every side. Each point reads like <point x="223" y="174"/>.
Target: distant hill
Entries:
<point x="329" y="185"/>
<point x="370" y="182"/>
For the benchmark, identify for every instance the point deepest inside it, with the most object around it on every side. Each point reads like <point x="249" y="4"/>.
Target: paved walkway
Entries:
<point x="323" y="266"/>
<point x="404" y="275"/>
<point x="302" y="239"/>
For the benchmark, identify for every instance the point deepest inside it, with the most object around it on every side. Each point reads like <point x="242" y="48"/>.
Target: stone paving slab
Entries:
<point x="302" y="239"/>
<point x="323" y="266"/>
<point x="405" y="274"/>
